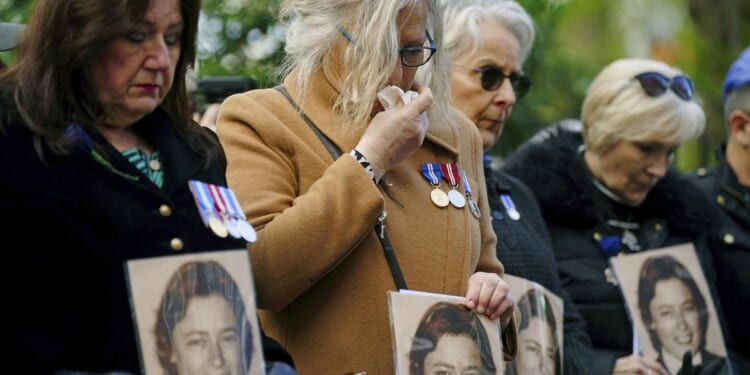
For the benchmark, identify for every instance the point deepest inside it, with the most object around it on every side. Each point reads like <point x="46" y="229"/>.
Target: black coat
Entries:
<point x="731" y="249"/>
<point x="70" y="224"/>
<point x="576" y="213"/>
<point x="525" y="249"/>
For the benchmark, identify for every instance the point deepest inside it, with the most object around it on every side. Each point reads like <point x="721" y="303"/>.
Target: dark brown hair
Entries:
<point x="660" y="268"/>
<point x="454" y="319"/>
<point x="199" y="279"/>
<point x="62" y="40"/>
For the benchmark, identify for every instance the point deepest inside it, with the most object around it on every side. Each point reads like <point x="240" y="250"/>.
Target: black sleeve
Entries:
<point x="273" y="351"/>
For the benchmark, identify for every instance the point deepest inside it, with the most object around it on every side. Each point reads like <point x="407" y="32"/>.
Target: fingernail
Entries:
<point x="480" y="309"/>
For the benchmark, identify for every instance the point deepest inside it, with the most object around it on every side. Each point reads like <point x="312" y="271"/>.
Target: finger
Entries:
<point x="653" y="367"/>
<point x="473" y="289"/>
<point x="486" y="292"/>
<point x="423" y="101"/>
<point x="501" y="301"/>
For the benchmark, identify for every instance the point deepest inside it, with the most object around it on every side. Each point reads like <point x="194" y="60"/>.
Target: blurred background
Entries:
<point x="575" y="39"/>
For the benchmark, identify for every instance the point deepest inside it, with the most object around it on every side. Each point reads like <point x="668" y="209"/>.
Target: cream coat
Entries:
<point x="320" y="272"/>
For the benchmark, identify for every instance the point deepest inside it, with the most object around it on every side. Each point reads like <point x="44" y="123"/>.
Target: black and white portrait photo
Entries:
<point x="540" y="330"/>
<point x="672" y="308"/>
<point x="437" y="334"/>
<point x="195" y="314"/>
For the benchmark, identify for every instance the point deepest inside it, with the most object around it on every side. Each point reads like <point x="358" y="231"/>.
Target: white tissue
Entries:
<point x="389" y="96"/>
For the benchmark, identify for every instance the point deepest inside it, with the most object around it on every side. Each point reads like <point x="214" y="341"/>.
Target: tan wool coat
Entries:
<point x="320" y="272"/>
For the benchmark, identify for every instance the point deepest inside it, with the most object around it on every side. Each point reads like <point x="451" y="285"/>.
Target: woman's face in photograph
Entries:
<point x="207" y="341"/>
<point x="454" y="355"/>
<point x="537" y="347"/>
<point x="675" y="317"/>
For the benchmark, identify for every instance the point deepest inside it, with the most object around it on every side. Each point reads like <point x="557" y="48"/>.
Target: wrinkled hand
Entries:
<point x="634" y="364"/>
<point x="490" y="295"/>
<point x="395" y="134"/>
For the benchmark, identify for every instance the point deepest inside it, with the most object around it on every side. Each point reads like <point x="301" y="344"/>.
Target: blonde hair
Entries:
<point x="313" y="32"/>
<point x="617" y="108"/>
<point x="463" y="35"/>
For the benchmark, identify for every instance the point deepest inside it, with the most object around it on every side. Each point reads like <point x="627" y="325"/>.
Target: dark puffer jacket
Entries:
<point x="524" y="247"/>
<point x="577" y="215"/>
<point x="731" y="249"/>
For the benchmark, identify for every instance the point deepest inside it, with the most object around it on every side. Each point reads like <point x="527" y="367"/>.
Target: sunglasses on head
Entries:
<point x="493" y="77"/>
<point x="656" y="84"/>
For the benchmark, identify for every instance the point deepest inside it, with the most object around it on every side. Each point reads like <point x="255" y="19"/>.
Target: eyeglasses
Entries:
<point x="412" y="56"/>
<point x="656" y="84"/>
<point x="492" y="78"/>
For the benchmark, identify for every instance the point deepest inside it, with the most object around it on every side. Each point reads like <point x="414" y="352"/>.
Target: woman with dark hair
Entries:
<point x="201" y="324"/>
<point x="538" y="352"/>
<point x="451" y="339"/>
<point x="675" y="314"/>
<point x="97" y="149"/>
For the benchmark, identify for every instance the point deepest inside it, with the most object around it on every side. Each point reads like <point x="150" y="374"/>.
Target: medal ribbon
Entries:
<point x="467" y="188"/>
<point x="234" y="205"/>
<point x="219" y="201"/>
<point x="202" y="200"/>
<point x="508" y="203"/>
<point x="431" y="171"/>
<point x="246" y="230"/>
<point x="450" y="173"/>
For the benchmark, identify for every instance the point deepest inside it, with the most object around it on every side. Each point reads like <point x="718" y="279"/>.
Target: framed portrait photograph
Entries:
<point x="672" y="309"/>
<point x="436" y="334"/>
<point x="196" y="314"/>
<point x="540" y="331"/>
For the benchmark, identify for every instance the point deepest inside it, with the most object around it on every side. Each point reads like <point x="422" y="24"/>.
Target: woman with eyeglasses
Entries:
<point x="606" y="187"/>
<point x="487" y="42"/>
<point x="325" y="183"/>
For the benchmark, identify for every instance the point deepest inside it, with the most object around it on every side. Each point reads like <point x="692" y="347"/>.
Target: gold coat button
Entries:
<point x="658" y="227"/>
<point x="701" y="172"/>
<point x="165" y="210"/>
<point x="720" y="199"/>
<point x="176" y="244"/>
<point x="728" y="239"/>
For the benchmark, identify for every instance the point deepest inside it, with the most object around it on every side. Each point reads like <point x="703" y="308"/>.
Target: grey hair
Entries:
<point x="616" y="108"/>
<point x="462" y="19"/>
<point x="313" y="34"/>
<point x="463" y="35"/>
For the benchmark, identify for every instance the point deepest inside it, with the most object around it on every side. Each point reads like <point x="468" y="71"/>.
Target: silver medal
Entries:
<point x="457" y="199"/>
<point x="474" y="208"/>
<point x="232" y="227"/>
<point x="514" y="215"/>
<point x="247" y="231"/>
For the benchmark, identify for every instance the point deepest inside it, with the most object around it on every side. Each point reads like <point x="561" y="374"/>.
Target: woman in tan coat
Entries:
<point x="320" y="269"/>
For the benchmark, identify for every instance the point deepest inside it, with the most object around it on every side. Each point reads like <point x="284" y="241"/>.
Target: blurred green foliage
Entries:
<point x="575" y="39"/>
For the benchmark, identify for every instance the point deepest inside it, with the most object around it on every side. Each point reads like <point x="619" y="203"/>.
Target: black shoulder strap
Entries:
<point x="329" y="145"/>
<point x="390" y="253"/>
